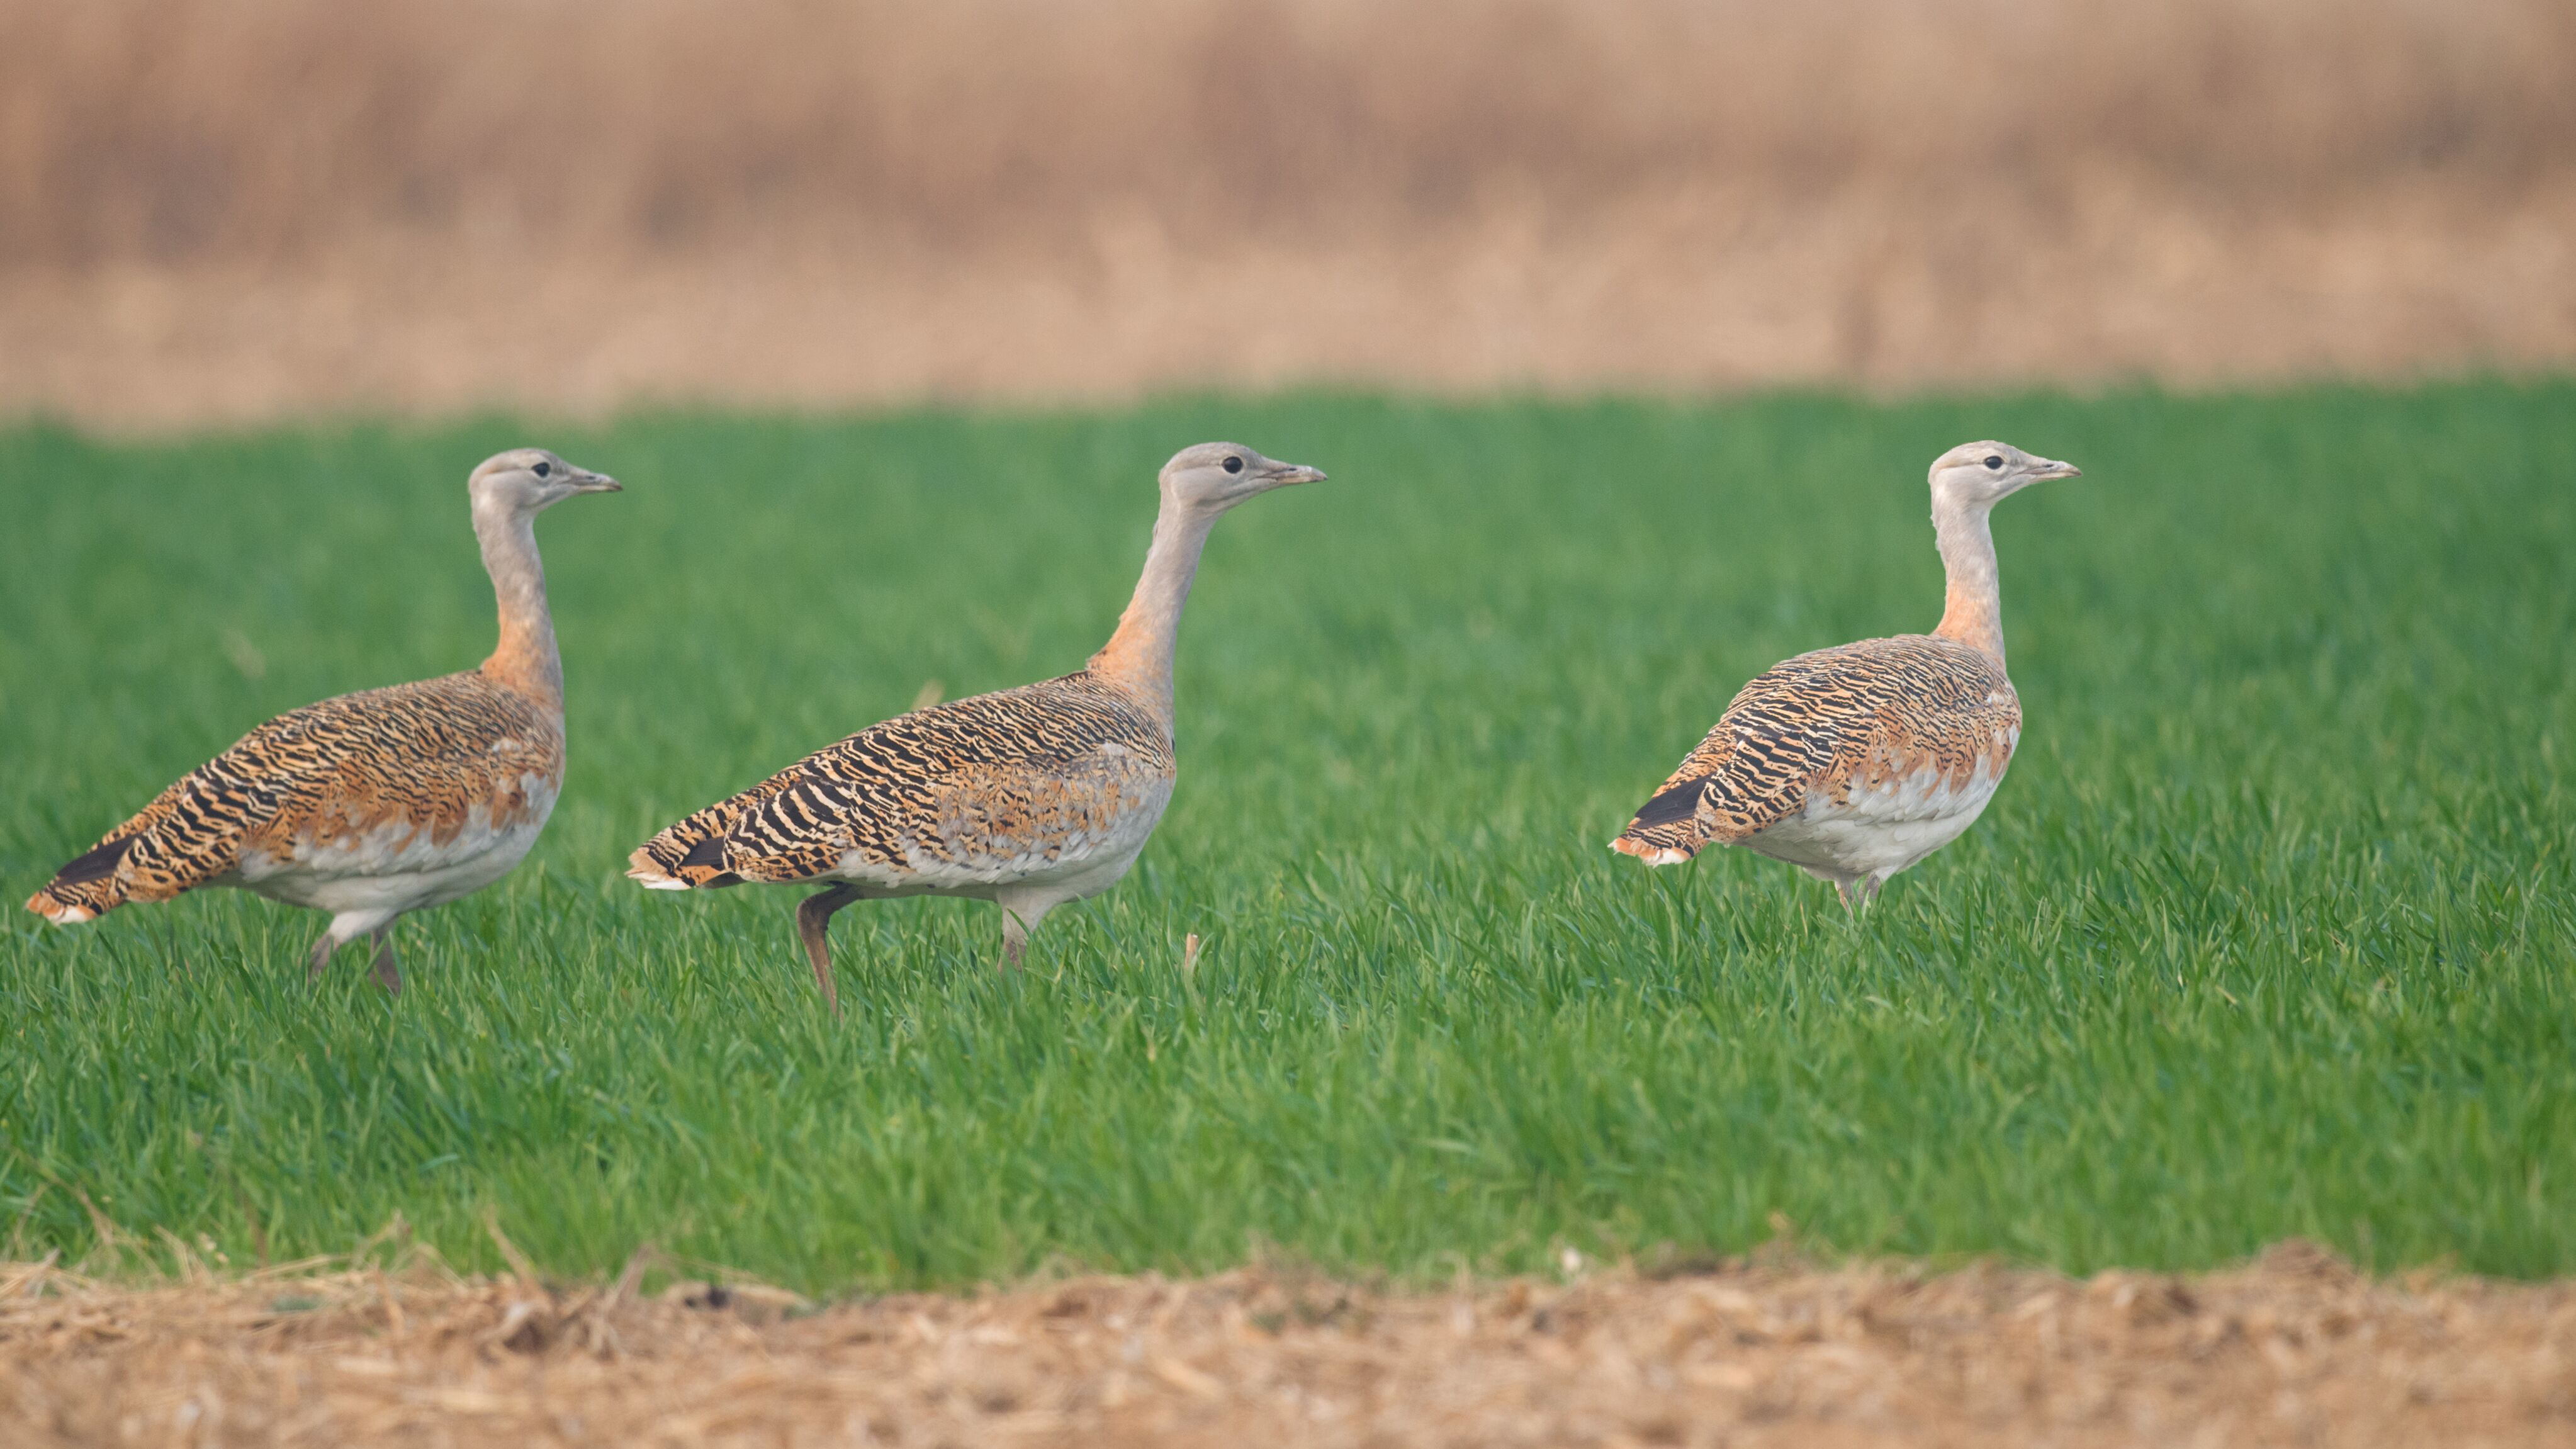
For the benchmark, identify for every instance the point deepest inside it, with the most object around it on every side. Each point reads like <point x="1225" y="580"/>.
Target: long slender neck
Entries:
<point x="526" y="659"/>
<point x="1974" y="613"/>
<point x="1138" y="658"/>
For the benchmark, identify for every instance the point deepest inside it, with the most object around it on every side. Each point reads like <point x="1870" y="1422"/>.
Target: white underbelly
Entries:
<point x="398" y="867"/>
<point x="1877" y="832"/>
<point x="1077" y="864"/>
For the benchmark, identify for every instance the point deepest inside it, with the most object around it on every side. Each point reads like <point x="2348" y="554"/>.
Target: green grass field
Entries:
<point x="2272" y="930"/>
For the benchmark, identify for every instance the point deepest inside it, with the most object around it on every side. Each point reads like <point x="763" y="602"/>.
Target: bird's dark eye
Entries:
<point x="1994" y="460"/>
<point x="1234" y="465"/>
<point x="544" y="468"/>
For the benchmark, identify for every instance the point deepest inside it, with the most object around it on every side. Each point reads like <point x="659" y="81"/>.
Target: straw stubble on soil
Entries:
<point x="2294" y="1348"/>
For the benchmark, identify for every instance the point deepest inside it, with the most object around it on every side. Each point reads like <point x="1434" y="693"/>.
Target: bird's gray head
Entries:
<point x="1221" y="475"/>
<point x="530" y="480"/>
<point x="1978" y="475"/>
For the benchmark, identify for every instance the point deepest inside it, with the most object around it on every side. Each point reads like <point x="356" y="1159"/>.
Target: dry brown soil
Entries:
<point x="2295" y="1349"/>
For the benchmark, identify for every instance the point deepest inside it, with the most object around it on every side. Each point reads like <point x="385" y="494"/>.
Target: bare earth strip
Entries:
<point x="2296" y="1348"/>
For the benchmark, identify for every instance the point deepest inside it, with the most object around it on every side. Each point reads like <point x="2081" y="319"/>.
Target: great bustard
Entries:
<point x="1855" y="762"/>
<point x="381" y="802"/>
<point x="1028" y="797"/>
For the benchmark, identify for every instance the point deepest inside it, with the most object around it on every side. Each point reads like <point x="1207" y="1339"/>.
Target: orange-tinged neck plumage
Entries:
<point x="525" y="660"/>
<point x="1974" y="612"/>
<point x="1138" y="658"/>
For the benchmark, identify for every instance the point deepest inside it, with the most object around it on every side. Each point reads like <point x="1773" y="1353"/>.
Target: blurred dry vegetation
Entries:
<point x="234" y="208"/>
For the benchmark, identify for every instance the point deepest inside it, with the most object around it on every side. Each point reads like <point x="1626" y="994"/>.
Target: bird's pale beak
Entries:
<point x="590" y="482"/>
<point x="2046" y="471"/>
<point x="1288" y="473"/>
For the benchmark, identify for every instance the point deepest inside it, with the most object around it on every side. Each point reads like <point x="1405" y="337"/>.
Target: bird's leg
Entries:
<point x="387" y="975"/>
<point x="1869" y="890"/>
<point x="1020" y="916"/>
<point x="813" y="927"/>
<point x="320" y="960"/>
<point x="1843" y="888"/>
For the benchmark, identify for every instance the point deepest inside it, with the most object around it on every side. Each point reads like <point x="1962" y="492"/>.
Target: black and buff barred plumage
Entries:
<point x="384" y="772"/>
<point x="1855" y="762"/>
<point x="1028" y="798"/>
<point x="372" y="804"/>
<point x="1826" y="730"/>
<point x="1046" y="775"/>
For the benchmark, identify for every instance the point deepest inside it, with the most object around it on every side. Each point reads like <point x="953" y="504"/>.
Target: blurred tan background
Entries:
<point x="239" y="209"/>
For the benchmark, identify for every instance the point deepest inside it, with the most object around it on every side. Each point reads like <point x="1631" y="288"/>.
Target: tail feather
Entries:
<point x="1666" y="831"/>
<point x="62" y="912"/>
<point x="88" y="887"/>
<point x="641" y="866"/>
<point x="687" y="856"/>
<point x="1653" y="854"/>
